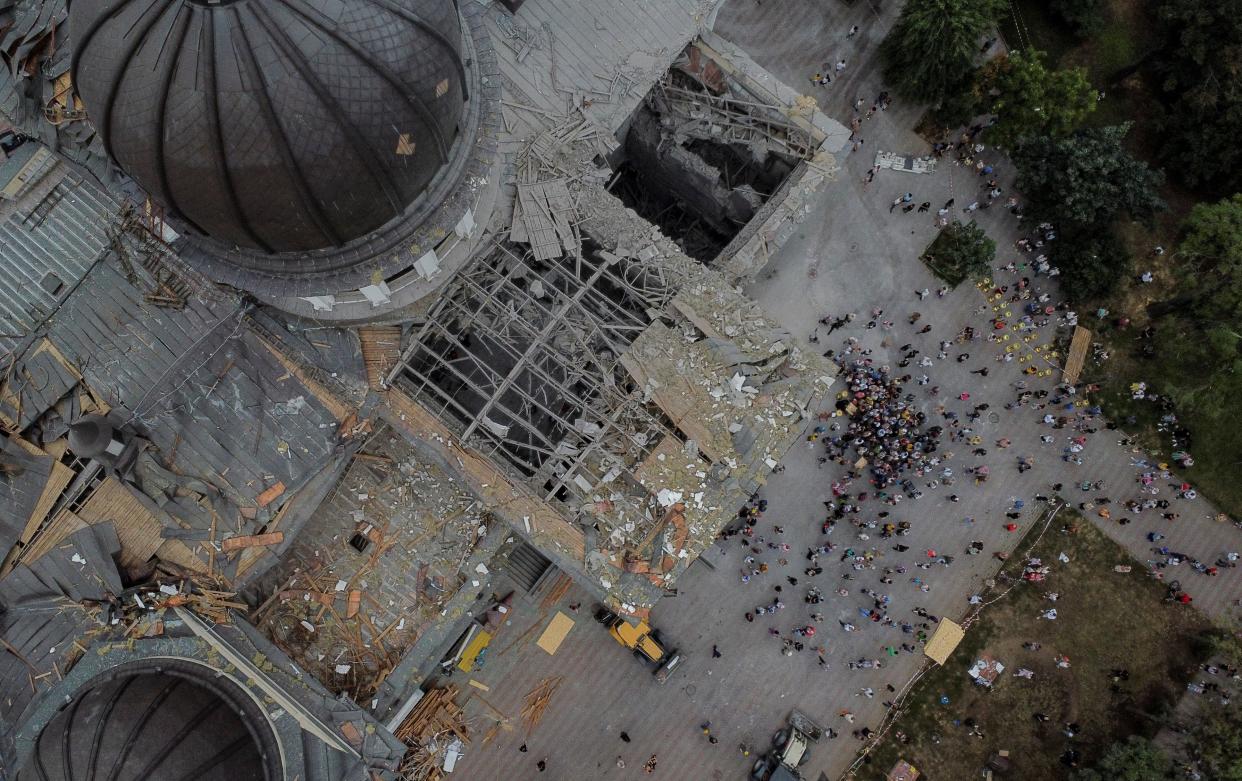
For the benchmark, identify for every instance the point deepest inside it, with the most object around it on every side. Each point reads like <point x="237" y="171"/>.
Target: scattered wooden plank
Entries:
<point x="381" y="350"/>
<point x="537" y="700"/>
<point x="251" y="541"/>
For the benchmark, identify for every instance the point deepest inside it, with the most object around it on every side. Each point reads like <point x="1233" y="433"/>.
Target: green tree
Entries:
<point x="1200" y="75"/>
<point x="1210" y="259"/>
<point x="1091" y="261"/>
<point x="960" y="252"/>
<point x="1086" y="179"/>
<point x="1197" y="336"/>
<point x="1216" y="745"/>
<point x="1028" y="99"/>
<point x="962" y="105"/>
<point x="1086" y="17"/>
<point x="929" y="53"/>
<point x="1201" y="370"/>
<point x="1135" y="759"/>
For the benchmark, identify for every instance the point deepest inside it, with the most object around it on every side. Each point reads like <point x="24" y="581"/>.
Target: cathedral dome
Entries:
<point x="275" y="126"/>
<point x="170" y="720"/>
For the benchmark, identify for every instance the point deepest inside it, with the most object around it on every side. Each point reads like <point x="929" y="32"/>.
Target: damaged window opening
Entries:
<point x="700" y="164"/>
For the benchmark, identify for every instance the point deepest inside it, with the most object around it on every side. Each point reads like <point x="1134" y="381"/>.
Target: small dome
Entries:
<point x="275" y="125"/>
<point x="172" y="722"/>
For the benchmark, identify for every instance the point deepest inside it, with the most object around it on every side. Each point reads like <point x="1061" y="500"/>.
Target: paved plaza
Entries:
<point x="850" y="255"/>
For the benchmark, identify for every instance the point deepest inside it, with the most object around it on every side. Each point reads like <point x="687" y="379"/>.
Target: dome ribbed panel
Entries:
<point x="279" y="125"/>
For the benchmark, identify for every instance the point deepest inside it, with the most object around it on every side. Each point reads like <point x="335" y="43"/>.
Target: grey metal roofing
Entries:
<point x="279" y="125"/>
<point x="37" y="386"/>
<point x="16" y="159"/>
<point x="40" y="620"/>
<point x="196" y="381"/>
<point x="26" y="27"/>
<point x="79" y="567"/>
<point x="59" y="227"/>
<point x="19" y="493"/>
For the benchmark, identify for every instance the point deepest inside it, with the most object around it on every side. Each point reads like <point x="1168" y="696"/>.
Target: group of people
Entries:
<point x="891" y="438"/>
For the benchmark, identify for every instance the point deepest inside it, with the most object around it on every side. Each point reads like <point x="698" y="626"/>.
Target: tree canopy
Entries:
<point x="930" y="52"/>
<point x="1197" y="336"/>
<point x="960" y="252"/>
<point x="1091" y="261"/>
<point x="1135" y="759"/>
<point x="1085" y="179"/>
<point x="1216" y="745"/>
<point x="1200" y="75"/>
<point x="1200" y="324"/>
<point x="1028" y="99"/>
<point x="1085" y="17"/>
<point x="1210" y="252"/>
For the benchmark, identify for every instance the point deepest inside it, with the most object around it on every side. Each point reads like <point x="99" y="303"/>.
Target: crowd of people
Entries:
<point x="906" y="427"/>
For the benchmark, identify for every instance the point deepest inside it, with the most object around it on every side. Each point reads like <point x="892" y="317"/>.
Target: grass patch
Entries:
<point x="1218" y="456"/>
<point x="1031" y="23"/>
<point x="1106" y="620"/>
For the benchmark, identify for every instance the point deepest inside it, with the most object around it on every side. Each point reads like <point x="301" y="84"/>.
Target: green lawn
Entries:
<point x="1106" y="620"/>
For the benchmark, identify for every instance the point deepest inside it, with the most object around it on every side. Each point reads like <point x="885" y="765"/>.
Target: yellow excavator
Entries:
<point x="644" y="641"/>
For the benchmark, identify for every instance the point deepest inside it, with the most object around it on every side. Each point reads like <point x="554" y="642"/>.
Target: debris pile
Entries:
<point x="436" y="733"/>
<point x="537" y="700"/>
<point x="372" y="568"/>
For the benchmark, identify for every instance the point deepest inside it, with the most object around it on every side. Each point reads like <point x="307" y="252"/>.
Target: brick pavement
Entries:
<point x="849" y="256"/>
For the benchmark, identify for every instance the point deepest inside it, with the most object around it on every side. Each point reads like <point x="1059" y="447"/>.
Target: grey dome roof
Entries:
<point x="276" y="125"/>
<point x="172" y="722"/>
